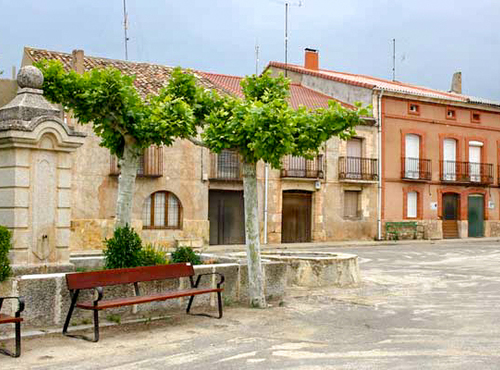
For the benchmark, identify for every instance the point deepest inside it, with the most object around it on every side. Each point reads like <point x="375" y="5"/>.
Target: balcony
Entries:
<point x="225" y="166"/>
<point x="358" y="169"/>
<point x="466" y="172"/>
<point x="150" y="163"/>
<point x="416" y="169"/>
<point x="300" y="167"/>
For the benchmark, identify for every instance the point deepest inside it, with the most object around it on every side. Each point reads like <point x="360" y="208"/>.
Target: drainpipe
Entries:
<point x="379" y="194"/>
<point x="266" y="186"/>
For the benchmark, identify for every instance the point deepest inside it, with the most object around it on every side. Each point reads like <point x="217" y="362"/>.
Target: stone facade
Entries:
<point x="35" y="175"/>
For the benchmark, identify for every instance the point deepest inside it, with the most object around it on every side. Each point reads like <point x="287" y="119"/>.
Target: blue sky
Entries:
<point x="434" y="38"/>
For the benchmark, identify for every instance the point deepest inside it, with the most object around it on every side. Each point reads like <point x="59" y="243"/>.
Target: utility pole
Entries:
<point x="125" y="27"/>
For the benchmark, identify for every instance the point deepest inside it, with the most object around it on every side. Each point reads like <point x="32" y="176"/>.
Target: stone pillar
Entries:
<point x="35" y="177"/>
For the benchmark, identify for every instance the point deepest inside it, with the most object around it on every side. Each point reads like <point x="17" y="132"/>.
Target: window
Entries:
<point x="228" y="164"/>
<point x="411" y="204"/>
<point x="475" y="117"/>
<point x="150" y="163"/>
<point x="413" y="108"/>
<point x="451" y="114"/>
<point x="412" y="156"/>
<point x="162" y="210"/>
<point x="351" y="204"/>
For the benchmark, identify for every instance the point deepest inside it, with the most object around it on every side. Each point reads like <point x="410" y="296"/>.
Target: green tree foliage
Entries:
<point x="108" y="99"/>
<point x="5" y="245"/>
<point x="124" y="249"/>
<point x="264" y="127"/>
<point x="185" y="254"/>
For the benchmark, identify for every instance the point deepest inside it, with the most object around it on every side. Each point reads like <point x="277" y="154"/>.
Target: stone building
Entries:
<point x="187" y="195"/>
<point x="440" y="151"/>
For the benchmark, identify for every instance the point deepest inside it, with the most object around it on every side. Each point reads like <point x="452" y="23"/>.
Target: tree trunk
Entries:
<point x="129" y="165"/>
<point x="252" y="230"/>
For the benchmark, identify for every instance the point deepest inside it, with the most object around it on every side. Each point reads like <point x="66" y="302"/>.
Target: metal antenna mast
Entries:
<point x="256" y="58"/>
<point x="125" y="27"/>
<point x="286" y="36"/>
<point x="394" y="59"/>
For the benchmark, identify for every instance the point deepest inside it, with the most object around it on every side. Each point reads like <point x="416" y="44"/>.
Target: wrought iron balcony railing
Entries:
<point x="466" y="172"/>
<point x="358" y="168"/>
<point x="225" y="166"/>
<point x="150" y="163"/>
<point x="416" y="169"/>
<point x="300" y="167"/>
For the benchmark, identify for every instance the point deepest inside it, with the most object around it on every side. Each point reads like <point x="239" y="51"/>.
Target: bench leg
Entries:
<point x="219" y="304"/>
<point x="17" y="353"/>
<point x="74" y="299"/>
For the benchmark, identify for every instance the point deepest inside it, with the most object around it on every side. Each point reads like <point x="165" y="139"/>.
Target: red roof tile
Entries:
<point x="373" y="82"/>
<point x="299" y="95"/>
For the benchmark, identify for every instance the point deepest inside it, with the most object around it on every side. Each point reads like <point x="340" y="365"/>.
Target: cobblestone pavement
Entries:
<point x="425" y="306"/>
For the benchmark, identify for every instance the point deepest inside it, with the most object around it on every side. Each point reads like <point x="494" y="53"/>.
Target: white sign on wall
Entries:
<point x="434" y="206"/>
<point x="491" y="205"/>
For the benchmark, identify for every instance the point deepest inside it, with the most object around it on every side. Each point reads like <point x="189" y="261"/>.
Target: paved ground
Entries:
<point x="421" y="307"/>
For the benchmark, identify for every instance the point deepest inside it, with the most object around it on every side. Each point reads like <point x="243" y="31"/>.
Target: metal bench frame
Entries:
<point x="100" y="294"/>
<point x="17" y="324"/>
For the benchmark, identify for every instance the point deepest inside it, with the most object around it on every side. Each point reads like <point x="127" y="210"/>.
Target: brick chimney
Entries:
<point x="77" y="61"/>
<point x="311" y="60"/>
<point x="456" y="83"/>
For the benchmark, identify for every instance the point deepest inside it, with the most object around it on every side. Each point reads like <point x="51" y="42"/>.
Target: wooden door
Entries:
<point x="296" y="217"/>
<point x="354" y="154"/>
<point x="475" y="207"/>
<point x="227" y="217"/>
<point x="412" y="156"/>
<point x="449" y="159"/>
<point x="474" y="162"/>
<point x="450" y="215"/>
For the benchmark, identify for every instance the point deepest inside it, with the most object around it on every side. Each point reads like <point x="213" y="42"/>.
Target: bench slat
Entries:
<point x="6" y="319"/>
<point x="88" y="280"/>
<point x="145" y="299"/>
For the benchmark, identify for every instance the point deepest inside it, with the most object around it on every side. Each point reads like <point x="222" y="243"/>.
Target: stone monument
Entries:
<point x="35" y="177"/>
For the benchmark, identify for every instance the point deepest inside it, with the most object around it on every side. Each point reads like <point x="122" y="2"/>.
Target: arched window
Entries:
<point x="162" y="210"/>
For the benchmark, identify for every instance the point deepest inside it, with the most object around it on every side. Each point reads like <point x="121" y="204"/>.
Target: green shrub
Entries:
<point x="152" y="256"/>
<point x="5" y="236"/>
<point x="123" y="249"/>
<point x="185" y="254"/>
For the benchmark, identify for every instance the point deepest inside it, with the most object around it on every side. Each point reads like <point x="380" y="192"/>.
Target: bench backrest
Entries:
<point x="86" y="280"/>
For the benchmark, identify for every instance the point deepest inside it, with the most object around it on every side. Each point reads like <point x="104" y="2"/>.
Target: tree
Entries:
<point x="126" y="123"/>
<point x="264" y="127"/>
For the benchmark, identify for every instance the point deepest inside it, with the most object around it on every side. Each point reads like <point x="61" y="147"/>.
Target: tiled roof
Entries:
<point x="299" y="95"/>
<point x="150" y="78"/>
<point x="379" y="83"/>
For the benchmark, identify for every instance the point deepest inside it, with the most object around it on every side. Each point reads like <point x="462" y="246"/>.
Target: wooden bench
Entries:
<point x="16" y="320"/>
<point x="98" y="279"/>
<point x="393" y="230"/>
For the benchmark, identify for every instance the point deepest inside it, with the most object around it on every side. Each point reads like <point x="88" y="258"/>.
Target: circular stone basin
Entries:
<point x="317" y="269"/>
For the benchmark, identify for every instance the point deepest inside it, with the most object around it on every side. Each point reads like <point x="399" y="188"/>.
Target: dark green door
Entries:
<point x="476" y="215"/>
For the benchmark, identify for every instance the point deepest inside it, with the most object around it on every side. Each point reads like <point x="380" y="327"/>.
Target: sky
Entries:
<point x="434" y="38"/>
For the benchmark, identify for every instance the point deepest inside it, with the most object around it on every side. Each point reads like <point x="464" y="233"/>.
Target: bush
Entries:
<point x="152" y="256"/>
<point x="185" y="254"/>
<point x="5" y="236"/>
<point x="124" y="249"/>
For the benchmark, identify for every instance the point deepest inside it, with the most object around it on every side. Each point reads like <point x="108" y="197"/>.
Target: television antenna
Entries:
<point x="287" y="5"/>
<point x="125" y="27"/>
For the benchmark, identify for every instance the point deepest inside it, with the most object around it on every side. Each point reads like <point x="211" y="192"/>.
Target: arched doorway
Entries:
<point x="475" y="212"/>
<point x="451" y="209"/>
<point x="296" y="217"/>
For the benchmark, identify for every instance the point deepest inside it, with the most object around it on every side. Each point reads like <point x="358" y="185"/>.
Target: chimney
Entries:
<point x="456" y="83"/>
<point x="311" y="60"/>
<point x="77" y="61"/>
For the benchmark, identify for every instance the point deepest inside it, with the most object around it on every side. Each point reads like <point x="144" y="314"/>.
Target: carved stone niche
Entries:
<point x="35" y="177"/>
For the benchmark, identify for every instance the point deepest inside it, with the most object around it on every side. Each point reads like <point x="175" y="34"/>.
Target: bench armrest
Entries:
<point x="195" y="285"/>
<point x="19" y="299"/>
<point x="100" y="294"/>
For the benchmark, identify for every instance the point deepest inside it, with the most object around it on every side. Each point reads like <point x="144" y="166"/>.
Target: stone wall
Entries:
<point x="47" y="298"/>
